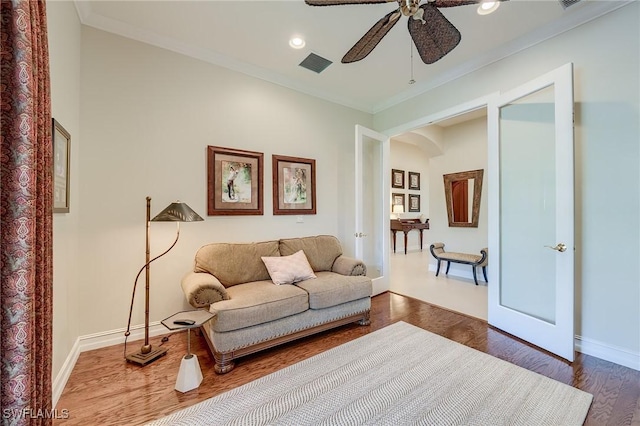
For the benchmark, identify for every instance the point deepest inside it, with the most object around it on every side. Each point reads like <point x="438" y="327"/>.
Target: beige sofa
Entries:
<point x="252" y="313"/>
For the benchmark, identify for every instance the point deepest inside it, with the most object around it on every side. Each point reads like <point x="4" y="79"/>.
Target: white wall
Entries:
<point x="64" y="51"/>
<point x="605" y="53"/>
<point x="411" y="158"/>
<point x="465" y="149"/>
<point x="147" y="117"/>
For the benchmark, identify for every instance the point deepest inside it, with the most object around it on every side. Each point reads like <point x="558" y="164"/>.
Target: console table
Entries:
<point x="406" y="225"/>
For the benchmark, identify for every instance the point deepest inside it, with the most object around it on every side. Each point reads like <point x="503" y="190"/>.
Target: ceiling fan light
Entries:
<point x="297" y="42"/>
<point x="487" y="7"/>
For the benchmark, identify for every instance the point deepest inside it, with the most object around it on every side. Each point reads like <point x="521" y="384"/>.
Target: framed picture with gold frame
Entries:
<point x="234" y="182"/>
<point x="61" y="165"/>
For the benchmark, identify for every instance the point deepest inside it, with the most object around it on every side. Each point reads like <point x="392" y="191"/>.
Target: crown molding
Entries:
<point x="553" y="29"/>
<point x="564" y="24"/>
<point x="91" y="19"/>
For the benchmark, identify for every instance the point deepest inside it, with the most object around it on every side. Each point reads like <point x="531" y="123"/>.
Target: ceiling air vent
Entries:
<point x="315" y="63"/>
<point x="568" y="3"/>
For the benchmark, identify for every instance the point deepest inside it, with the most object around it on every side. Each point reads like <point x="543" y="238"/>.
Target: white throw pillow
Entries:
<point x="289" y="269"/>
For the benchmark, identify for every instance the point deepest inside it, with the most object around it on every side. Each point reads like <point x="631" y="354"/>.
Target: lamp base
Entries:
<point x="190" y="374"/>
<point x="144" y="359"/>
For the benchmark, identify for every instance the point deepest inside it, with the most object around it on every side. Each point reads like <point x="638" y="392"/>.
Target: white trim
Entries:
<point x="614" y="354"/>
<point x="555" y="28"/>
<point x="116" y="337"/>
<point x="97" y="341"/>
<point x="61" y="379"/>
<point x="539" y="35"/>
<point x="113" y="26"/>
<point x="611" y="353"/>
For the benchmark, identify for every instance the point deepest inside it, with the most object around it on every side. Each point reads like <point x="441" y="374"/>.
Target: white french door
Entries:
<point x="531" y="212"/>
<point x="372" y="195"/>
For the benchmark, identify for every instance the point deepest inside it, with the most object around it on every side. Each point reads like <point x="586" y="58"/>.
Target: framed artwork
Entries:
<point x="234" y="181"/>
<point x="414" y="202"/>
<point x="397" y="199"/>
<point x="397" y="178"/>
<point x="414" y="180"/>
<point x="61" y="159"/>
<point x="294" y="185"/>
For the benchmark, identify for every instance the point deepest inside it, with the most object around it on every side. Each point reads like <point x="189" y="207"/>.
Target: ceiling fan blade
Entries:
<point x="339" y="2"/>
<point x="434" y="36"/>
<point x="454" y="3"/>
<point x="370" y="40"/>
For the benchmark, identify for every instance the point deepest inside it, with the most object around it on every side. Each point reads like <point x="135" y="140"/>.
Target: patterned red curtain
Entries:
<point x="26" y="219"/>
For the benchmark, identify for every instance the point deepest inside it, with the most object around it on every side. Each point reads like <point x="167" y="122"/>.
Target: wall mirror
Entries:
<point x="462" y="192"/>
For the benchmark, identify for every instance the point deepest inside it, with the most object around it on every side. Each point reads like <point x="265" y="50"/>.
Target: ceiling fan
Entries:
<point x="432" y="33"/>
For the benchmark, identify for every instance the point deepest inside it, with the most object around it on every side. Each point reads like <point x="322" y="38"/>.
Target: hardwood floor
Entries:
<point x="106" y="390"/>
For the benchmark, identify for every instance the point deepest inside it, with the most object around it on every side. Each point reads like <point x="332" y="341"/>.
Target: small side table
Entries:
<point x="190" y="374"/>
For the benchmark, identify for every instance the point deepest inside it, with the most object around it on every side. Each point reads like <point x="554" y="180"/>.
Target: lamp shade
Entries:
<point x="177" y="212"/>
<point x="398" y="208"/>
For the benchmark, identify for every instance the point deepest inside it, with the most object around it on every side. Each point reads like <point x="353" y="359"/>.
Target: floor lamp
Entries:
<point x="175" y="212"/>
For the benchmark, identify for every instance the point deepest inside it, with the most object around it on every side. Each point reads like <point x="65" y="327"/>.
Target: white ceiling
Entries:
<point x="252" y="37"/>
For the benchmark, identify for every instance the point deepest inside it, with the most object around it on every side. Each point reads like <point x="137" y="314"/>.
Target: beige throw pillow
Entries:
<point x="289" y="269"/>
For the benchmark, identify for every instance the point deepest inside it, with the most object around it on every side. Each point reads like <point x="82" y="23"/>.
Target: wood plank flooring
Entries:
<point x="106" y="390"/>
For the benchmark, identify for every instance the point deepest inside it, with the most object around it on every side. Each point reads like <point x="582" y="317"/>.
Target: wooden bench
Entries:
<point x="437" y="250"/>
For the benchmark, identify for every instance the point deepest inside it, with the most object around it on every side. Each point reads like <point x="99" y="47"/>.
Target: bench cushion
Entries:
<point x="460" y="257"/>
<point x="331" y="289"/>
<point x="256" y="303"/>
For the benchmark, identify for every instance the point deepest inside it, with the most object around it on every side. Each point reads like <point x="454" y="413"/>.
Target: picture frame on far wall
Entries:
<point x="397" y="178"/>
<point x="414" y="202"/>
<point x="414" y="180"/>
<point x="397" y="199"/>
<point x="61" y="164"/>
<point x="294" y="185"/>
<point x="234" y="182"/>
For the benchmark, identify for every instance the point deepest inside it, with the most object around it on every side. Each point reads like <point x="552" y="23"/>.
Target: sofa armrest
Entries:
<point x="202" y="289"/>
<point x="349" y="266"/>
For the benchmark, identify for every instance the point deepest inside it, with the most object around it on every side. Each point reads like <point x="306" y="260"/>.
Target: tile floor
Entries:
<point x="410" y="276"/>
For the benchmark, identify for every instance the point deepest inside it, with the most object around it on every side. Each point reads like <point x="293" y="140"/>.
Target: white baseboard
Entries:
<point x="591" y="347"/>
<point x="615" y="354"/>
<point x="97" y="341"/>
<point x="65" y="372"/>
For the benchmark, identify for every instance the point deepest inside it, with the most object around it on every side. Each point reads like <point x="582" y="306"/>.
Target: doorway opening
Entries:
<point x="453" y="141"/>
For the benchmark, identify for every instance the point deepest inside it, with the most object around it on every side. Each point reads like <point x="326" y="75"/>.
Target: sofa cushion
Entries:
<point x="321" y="250"/>
<point x="289" y="269"/>
<point x="256" y="303"/>
<point x="331" y="289"/>
<point x="234" y="264"/>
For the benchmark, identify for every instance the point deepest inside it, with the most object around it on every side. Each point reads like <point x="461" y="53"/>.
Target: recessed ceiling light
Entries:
<point x="297" y="42"/>
<point x="487" y="7"/>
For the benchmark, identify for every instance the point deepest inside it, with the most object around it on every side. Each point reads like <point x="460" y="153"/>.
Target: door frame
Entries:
<point x="380" y="284"/>
<point x="455" y="111"/>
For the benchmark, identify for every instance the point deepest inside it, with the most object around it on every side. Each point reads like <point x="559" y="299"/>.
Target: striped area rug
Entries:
<point x="399" y="375"/>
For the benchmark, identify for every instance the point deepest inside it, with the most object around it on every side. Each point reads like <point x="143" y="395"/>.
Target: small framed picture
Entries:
<point x="397" y="201"/>
<point x="414" y="202"/>
<point x="414" y="180"/>
<point x="234" y="181"/>
<point x="61" y="164"/>
<point x="294" y="185"/>
<point x="397" y="178"/>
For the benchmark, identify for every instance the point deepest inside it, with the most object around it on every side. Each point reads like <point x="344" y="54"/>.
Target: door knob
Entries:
<point x="561" y="247"/>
